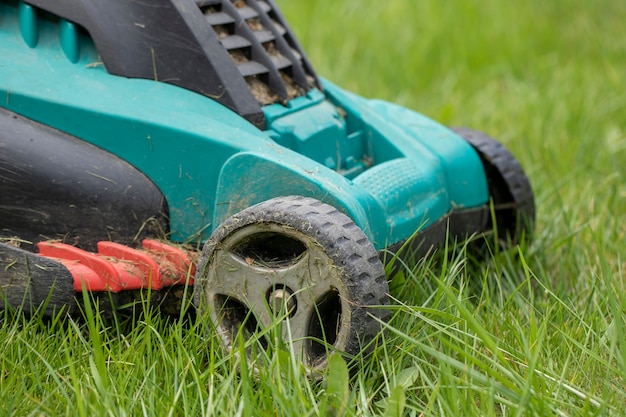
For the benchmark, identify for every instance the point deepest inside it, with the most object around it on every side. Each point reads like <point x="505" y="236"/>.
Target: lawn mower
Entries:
<point x="177" y="145"/>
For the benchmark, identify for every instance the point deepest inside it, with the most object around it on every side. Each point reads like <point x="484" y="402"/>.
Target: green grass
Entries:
<point x="535" y="331"/>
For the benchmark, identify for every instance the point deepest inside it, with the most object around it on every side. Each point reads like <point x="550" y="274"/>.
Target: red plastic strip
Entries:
<point x="136" y="269"/>
<point x="104" y="269"/>
<point x="174" y="263"/>
<point x="85" y="278"/>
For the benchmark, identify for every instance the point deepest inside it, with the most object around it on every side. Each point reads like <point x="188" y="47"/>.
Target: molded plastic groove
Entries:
<point x="68" y="32"/>
<point x="28" y="24"/>
<point x="69" y="40"/>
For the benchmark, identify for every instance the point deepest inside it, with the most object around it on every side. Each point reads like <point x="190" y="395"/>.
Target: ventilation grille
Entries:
<point x="263" y="49"/>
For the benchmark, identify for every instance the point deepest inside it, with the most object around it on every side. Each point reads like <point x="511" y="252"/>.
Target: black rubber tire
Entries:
<point x="509" y="187"/>
<point x="268" y="230"/>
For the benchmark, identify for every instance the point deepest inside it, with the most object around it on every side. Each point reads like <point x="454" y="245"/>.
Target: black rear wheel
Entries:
<point x="509" y="187"/>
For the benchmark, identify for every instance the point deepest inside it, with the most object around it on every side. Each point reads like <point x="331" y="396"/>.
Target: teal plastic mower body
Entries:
<point x="132" y="134"/>
<point x="391" y="170"/>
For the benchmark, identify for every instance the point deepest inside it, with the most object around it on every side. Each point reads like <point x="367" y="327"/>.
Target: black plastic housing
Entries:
<point x="226" y="50"/>
<point x="54" y="186"/>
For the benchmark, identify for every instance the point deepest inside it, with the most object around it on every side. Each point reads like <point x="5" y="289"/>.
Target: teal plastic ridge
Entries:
<point x="28" y="24"/>
<point x="69" y="40"/>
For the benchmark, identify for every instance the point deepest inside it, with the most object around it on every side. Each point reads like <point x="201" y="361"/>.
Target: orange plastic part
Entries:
<point x="103" y="275"/>
<point x="175" y="264"/>
<point x="117" y="267"/>
<point x="136" y="269"/>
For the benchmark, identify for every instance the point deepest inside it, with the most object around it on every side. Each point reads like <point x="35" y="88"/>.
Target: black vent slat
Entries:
<point x="258" y="53"/>
<point x="304" y="66"/>
<point x="261" y="46"/>
<point x="250" y="68"/>
<point x="247" y="12"/>
<point x="280" y="61"/>
<point x="264" y="6"/>
<point x="283" y="45"/>
<point x="205" y="3"/>
<point x="235" y="42"/>
<point x="296" y="54"/>
<point x="263" y="36"/>
<point x="280" y="28"/>
<point x="219" y="18"/>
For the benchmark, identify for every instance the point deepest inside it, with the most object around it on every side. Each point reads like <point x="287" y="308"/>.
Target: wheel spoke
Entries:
<point x="298" y="329"/>
<point x="323" y="278"/>
<point x="312" y="276"/>
<point x="236" y="279"/>
<point x="249" y="283"/>
<point x="295" y="332"/>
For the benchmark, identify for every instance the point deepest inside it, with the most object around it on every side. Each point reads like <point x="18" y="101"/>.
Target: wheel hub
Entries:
<point x="282" y="302"/>
<point x="298" y="260"/>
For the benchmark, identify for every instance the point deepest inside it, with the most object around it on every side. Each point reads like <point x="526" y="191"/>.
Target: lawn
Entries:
<point x="535" y="330"/>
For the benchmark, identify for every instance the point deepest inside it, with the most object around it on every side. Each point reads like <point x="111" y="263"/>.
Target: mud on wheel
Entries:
<point x="299" y="261"/>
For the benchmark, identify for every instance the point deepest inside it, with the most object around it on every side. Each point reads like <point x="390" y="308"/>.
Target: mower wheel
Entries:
<point x="509" y="187"/>
<point x="297" y="265"/>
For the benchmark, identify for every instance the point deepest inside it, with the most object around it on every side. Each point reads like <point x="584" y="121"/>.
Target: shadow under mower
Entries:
<point x="129" y="129"/>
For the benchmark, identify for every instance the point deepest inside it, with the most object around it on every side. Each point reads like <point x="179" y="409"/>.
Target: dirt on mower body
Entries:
<point x="202" y="122"/>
